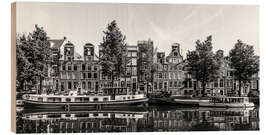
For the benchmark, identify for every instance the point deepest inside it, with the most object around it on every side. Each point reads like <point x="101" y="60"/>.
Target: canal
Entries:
<point x="151" y="119"/>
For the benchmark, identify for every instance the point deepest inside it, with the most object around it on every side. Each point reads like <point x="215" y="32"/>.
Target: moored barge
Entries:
<point x="111" y="97"/>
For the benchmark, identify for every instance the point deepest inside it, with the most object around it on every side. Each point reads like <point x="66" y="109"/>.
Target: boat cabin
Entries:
<point x="115" y="91"/>
<point x="229" y="99"/>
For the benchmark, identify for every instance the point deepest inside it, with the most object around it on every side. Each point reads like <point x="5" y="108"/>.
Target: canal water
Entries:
<point x="152" y="119"/>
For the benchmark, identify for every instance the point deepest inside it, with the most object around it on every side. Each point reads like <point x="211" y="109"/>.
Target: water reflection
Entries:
<point x="136" y="120"/>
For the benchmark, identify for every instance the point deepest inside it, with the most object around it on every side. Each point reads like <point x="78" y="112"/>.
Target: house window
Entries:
<point x="75" y="85"/>
<point x="128" y="71"/>
<point x="254" y="84"/>
<point x="84" y="75"/>
<point x="89" y="75"/>
<point x="160" y="85"/>
<point x="62" y="86"/>
<point x="155" y="85"/>
<point x="83" y="85"/>
<point x="172" y="75"/>
<point x="128" y="84"/>
<point x="175" y="84"/>
<point x="221" y="82"/>
<point x="165" y="85"/>
<point x="134" y="80"/>
<point x="165" y="75"/>
<point x="185" y="84"/>
<point x="69" y="67"/>
<point x="216" y="83"/>
<point x="69" y="85"/>
<point x="170" y="84"/>
<point x="190" y="84"/>
<point x="89" y="67"/>
<point x="75" y="67"/>
<point x="156" y="75"/>
<point x="89" y="85"/>
<point x="134" y="71"/>
<point x="179" y="84"/>
<point x="160" y="75"/>
<point x="64" y="67"/>
<point x="95" y="68"/>
<point x="165" y="67"/>
<point x="83" y="66"/>
<point x="227" y="83"/>
<point x="95" y="75"/>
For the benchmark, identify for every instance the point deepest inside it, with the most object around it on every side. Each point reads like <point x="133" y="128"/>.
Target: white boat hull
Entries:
<point x="231" y="105"/>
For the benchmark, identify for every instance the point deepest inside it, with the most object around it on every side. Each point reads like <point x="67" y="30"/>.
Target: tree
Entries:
<point x="202" y="63"/>
<point x="113" y="52"/>
<point x="42" y="53"/>
<point x="32" y="57"/>
<point x="244" y="61"/>
<point x="23" y="66"/>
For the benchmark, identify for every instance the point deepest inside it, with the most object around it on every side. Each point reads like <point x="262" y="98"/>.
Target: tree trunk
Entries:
<point x="40" y="85"/>
<point x="21" y="87"/>
<point x="203" y="91"/>
<point x="112" y="80"/>
<point x="147" y="82"/>
<point x="240" y="85"/>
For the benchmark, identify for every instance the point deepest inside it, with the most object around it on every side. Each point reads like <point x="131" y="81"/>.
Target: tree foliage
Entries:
<point x="244" y="61"/>
<point x="114" y="51"/>
<point x="32" y="56"/>
<point x="203" y="63"/>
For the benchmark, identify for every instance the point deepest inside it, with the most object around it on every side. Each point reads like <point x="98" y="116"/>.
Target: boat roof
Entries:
<point x="229" y="97"/>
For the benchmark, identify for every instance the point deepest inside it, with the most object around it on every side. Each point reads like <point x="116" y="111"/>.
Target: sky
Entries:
<point x="165" y="24"/>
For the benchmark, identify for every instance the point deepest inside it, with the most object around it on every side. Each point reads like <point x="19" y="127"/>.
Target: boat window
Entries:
<point x="95" y="114"/>
<point x="124" y="98"/>
<point x="80" y="115"/>
<point x="105" y="99"/>
<point x="128" y="97"/>
<point x="68" y="115"/>
<point x="133" y="97"/>
<point x="105" y="114"/>
<point x="40" y="99"/>
<point x="95" y="99"/>
<point x="57" y="100"/>
<point x="78" y="99"/>
<point x="50" y="99"/>
<point x="68" y="100"/>
<point x="54" y="116"/>
<point x="85" y="99"/>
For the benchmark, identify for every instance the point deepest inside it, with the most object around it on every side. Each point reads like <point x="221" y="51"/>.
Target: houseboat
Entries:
<point x="179" y="101"/>
<point x="77" y="115"/>
<point x="110" y="97"/>
<point x="190" y="100"/>
<point x="232" y="102"/>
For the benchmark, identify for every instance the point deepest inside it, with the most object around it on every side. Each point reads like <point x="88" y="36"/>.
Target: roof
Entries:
<point x="56" y="43"/>
<point x="77" y="56"/>
<point x="88" y="44"/>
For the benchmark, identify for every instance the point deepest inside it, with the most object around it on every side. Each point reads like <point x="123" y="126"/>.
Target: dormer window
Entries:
<point x="68" y="51"/>
<point x="175" y="54"/>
